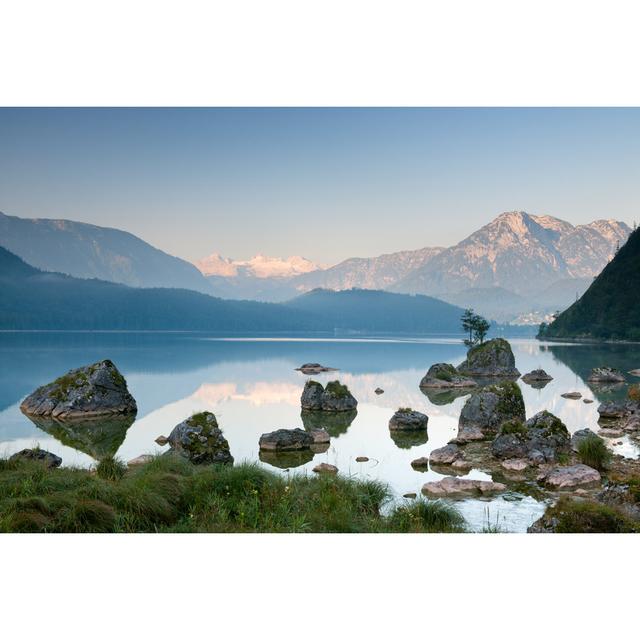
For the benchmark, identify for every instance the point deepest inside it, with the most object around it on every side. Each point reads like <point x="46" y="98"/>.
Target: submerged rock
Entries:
<point x="606" y="375"/>
<point x="378" y="391"/>
<point x="446" y="455"/>
<point x="320" y="436"/>
<point x="449" y="487"/>
<point x="445" y="376"/>
<point x="577" y="475"/>
<point x="493" y="358"/>
<point x="486" y="410"/>
<point x="406" y="419"/>
<point x="199" y="439"/>
<point x="50" y="460"/>
<point x="362" y="459"/>
<point x="95" y="390"/>
<point x="324" y="467"/>
<point x="286" y="440"/>
<point x="540" y="439"/>
<point x="334" y="397"/>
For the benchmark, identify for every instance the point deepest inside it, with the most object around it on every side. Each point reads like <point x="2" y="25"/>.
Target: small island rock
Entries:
<point x="445" y="376"/>
<point x="286" y="440"/>
<point x="493" y="358"/>
<point x="92" y="391"/>
<point x="605" y="375"/>
<point x="406" y="419"/>
<point x="334" y="397"/>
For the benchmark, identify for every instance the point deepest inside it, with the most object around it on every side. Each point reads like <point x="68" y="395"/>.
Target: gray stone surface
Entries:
<point x="200" y="440"/>
<point x="494" y="358"/>
<point x="334" y="397"/>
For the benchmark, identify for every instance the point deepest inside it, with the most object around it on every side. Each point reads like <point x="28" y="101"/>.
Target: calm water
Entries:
<point x="251" y="386"/>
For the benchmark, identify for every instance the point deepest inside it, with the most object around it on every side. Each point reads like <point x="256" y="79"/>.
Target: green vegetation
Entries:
<point x="426" y="516"/>
<point x="171" y="495"/>
<point x="111" y="469"/>
<point x="64" y="384"/>
<point x="446" y="374"/>
<point x="610" y="308"/>
<point x="593" y="451"/>
<point x="513" y="427"/>
<point x="336" y="389"/>
<point x="476" y="326"/>
<point x="510" y="400"/>
<point x="587" y="516"/>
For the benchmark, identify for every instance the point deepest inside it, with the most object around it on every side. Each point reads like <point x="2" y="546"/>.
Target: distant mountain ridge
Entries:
<point x="88" y="251"/>
<point x="31" y="299"/>
<point x="259" y="266"/>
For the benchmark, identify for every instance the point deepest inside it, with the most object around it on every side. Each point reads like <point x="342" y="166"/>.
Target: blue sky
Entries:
<point x="324" y="183"/>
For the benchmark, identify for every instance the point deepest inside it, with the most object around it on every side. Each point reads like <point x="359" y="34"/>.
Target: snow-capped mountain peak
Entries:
<point x="260" y="266"/>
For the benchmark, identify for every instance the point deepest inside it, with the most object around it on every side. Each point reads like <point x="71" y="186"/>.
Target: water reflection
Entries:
<point x="443" y="396"/>
<point x="286" y="459"/>
<point x="99" y="438"/>
<point x="252" y="388"/>
<point x="335" y="424"/>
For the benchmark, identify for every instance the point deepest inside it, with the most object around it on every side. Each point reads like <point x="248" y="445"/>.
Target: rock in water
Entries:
<point x="571" y="395"/>
<point x="446" y="455"/>
<point x="577" y="475"/>
<point x="445" y="376"/>
<point x="536" y="376"/>
<point x="200" y="439"/>
<point x="540" y="439"/>
<point x="312" y="368"/>
<point x="485" y="411"/>
<point x="408" y="420"/>
<point x="95" y="390"/>
<point x="333" y="397"/>
<point x="50" y="460"/>
<point x="286" y="440"/>
<point x="449" y="487"/>
<point x="378" y="391"/>
<point x="606" y="374"/>
<point x="323" y="467"/>
<point x="613" y="409"/>
<point x="493" y="358"/>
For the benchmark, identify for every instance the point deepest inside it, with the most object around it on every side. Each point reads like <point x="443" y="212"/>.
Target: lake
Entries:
<point x="251" y="386"/>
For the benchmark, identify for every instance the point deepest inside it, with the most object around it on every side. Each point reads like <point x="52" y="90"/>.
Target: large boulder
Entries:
<point x="605" y="375"/>
<point x="577" y="475"/>
<point x="453" y="487"/>
<point x="486" y="410"/>
<point x="615" y="409"/>
<point x="286" y="440"/>
<point x="406" y="419"/>
<point x="493" y="358"/>
<point x="96" y="390"/>
<point x="445" y="376"/>
<point x="49" y="459"/>
<point x="540" y="439"/>
<point x="199" y="439"/>
<point x="334" y="397"/>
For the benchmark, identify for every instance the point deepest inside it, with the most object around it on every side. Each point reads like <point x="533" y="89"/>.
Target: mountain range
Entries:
<point x="519" y="267"/>
<point x="32" y="299"/>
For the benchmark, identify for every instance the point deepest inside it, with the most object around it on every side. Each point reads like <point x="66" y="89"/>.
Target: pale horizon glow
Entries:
<point x="326" y="184"/>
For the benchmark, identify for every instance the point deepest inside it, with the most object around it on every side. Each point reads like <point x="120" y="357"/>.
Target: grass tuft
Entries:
<point x="593" y="452"/>
<point x="111" y="469"/>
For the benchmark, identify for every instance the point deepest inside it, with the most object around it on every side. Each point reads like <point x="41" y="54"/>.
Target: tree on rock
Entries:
<point x="476" y="326"/>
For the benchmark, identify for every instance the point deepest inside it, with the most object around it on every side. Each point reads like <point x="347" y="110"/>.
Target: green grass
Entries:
<point x="169" y="494"/>
<point x="586" y="516"/>
<point x="337" y="389"/>
<point x="593" y="452"/>
<point x="513" y="427"/>
<point x="111" y="469"/>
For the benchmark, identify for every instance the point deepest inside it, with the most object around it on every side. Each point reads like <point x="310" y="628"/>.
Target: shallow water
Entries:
<point x="251" y="386"/>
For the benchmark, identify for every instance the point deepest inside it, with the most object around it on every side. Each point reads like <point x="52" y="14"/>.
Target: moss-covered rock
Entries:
<point x="334" y="397"/>
<point x="95" y="390"/>
<point x="443" y="375"/>
<point x="488" y="409"/>
<point x="493" y="358"/>
<point x="199" y="439"/>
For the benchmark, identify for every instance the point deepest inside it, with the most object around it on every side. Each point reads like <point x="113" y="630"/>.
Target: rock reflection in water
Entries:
<point x="99" y="438"/>
<point x="443" y="397"/>
<point x="409" y="439"/>
<point x="286" y="459"/>
<point x="334" y="424"/>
